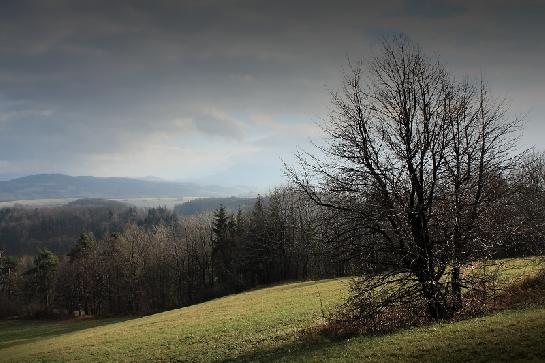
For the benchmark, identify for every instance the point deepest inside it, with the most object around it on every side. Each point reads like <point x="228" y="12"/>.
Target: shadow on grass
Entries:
<point x="516" y="335"/>
<point x="15" y="332"/>
<point x="304" y="346"/>
<point x="513" y="330"/>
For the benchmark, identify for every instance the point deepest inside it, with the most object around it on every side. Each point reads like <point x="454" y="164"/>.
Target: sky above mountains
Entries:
<point x="222" y="91"/>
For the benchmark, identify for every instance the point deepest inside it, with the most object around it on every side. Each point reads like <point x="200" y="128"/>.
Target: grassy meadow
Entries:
<point x="265" y="325"/>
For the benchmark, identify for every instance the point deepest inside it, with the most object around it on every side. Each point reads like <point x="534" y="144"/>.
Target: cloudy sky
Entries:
<point x="221" y="91"/>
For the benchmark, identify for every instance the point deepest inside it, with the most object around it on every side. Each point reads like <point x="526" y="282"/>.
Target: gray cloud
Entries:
<point x="214" y="123"/>
<point x="85" y="84"/>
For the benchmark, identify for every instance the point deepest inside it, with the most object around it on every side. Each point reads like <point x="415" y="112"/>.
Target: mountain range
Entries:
<point x="45" y="186"/>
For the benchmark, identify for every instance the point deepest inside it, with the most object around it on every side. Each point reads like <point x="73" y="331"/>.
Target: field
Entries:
<point x="264" y="325"/>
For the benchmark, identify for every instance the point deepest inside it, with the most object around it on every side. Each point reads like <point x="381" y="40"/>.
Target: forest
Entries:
<point x="153" y="260"/>
<point x="24" y="230"/>
<point x="158" y="260"/>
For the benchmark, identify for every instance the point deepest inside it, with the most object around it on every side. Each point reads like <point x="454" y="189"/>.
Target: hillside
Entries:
<point x="45" y="186"/>
<point x="222" y="328"/>
<point x="264" y="325"/>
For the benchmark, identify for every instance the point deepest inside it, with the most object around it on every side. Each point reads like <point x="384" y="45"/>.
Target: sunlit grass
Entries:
<point x="223" y="328"/>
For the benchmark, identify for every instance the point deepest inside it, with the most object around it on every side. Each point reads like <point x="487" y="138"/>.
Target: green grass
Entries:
<point x="507" y="337"/>
<point x="223" y="328"/>
<point x="512" y="270"/>
<point x="265" y="324"/>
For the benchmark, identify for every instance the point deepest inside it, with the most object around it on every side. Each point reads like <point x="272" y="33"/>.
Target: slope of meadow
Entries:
<point x="264" y="325"/>
<point x="222" y="328"/>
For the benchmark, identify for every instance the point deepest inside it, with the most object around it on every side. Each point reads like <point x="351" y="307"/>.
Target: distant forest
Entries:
<point x="23" y="231"/>
<point x="202" y="205"/>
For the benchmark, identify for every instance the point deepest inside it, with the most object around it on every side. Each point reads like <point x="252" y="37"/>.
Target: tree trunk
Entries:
<point x="456" y="289"/>
<point x="436" y="301"/>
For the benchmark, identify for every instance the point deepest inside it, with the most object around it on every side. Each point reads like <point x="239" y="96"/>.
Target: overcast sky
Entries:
<point x="222" y="90"/>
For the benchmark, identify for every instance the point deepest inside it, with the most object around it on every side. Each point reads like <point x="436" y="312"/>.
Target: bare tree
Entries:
<point x="528" y="201"/>
<point x="412" y="161"/>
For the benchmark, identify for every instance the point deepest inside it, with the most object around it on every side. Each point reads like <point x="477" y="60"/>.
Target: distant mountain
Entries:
<point x="45" y="186"/>
<point x="259" y="178"/>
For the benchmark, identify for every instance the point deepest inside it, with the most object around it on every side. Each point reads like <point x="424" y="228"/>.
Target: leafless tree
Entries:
<point x="527" y="204"/>
<point x="412" y="161"/>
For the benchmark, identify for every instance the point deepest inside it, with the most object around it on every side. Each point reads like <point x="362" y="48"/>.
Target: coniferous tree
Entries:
<point x="257" y="244"/>
<point x="43" y="276"/>
<point x="83" y="265"/>
<point x="222" y="247"/>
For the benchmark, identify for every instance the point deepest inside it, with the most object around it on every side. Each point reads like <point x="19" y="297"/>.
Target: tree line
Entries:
<point x="170" y="261"/>
<point x="24" y="230"/>
<point x="163" y="261"/>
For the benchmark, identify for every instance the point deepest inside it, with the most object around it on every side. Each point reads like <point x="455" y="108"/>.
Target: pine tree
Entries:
<point x="257" y="244"/>
<point x="83" y="273"/>
<point x="222" y="247"/>
<point x="43" y="276"/>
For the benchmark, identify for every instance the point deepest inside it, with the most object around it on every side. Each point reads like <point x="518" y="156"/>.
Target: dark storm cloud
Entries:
<point x="84" y="84"/>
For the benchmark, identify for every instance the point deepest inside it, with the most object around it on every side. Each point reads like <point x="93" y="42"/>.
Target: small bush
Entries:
<point x="370" y="310"/>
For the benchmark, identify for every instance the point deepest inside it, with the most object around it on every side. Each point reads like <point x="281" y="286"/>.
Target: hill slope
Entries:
<point x="263" y="325"/>
<point x="224" y="328"/>
<point x="43" y="186"/>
